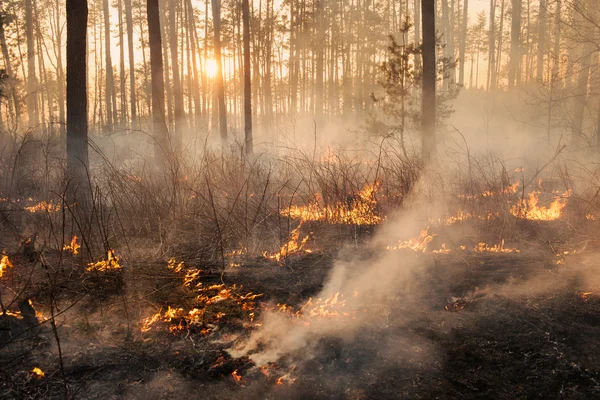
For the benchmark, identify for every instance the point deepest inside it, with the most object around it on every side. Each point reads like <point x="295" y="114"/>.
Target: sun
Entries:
<point x="210" y="67"/>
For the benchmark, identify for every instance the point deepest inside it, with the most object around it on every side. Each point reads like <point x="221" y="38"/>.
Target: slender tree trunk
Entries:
<point x="132" y="95"/>
<point x="177" y="90"/>
<point x="9" y="71"/>
<point x="247" y="79"/>
<point x="109" y="86"/>
<point x="123" y="89"/>
<point x="216" y="10"/>
<point x="320" y="48"/>
<point x="541" y="47"/>
<point x="428" y="103"/>
<point x="159" y="123"/>
<point x="77" y="123"/>
<point x="32" y="95"/>
<point x="491" y="75"/>
<point x="515" y="44"/>
<point x="463" y="43"/>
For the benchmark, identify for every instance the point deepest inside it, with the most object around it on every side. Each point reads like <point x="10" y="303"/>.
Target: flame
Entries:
<point x="4" y="264"/>
<point x="418" y="244"/>
<point x="443" y="250"/>
<point x="360" y="211"/>
<point x="585" y="296"/>
<point x="43" y="206"/>
<point x="529" y="209"/>
<point x="236" y="377"/>
<point x="286" y="378"/>
<point x="511" y="189"/>
<point x="291" y="247"/>
<point x="590" y="217"/>
<point x="111" y="263"/>
<point x="38" y="372"/>
<point x="497" y="248"/>
<point x="73" y="247"/>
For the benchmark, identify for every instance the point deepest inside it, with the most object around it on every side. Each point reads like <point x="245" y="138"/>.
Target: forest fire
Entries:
<point x="418" y="244"/>
<point x="361" y="210"/>
<point x="43" y="206"/>
<point x="110" y="264"/>
<point x="38" y="372"/>
<point x="530" y="210"/>
<point x="73" y="246"/>
<point x="483" y="247"/>
<point x="293" y="246"/>
<point x="5" y="264"/>
<point x="511" y="189"/>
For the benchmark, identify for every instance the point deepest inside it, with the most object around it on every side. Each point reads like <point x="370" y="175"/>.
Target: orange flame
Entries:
<point x="73" y="247"/>
<point x="418" y="244"/>
<point x="111" y="263"/>
<point x="4" y="264"/>
<point x="291" y="247"/>
<point x="38" y="372"/>
<point x="529" y="209"/>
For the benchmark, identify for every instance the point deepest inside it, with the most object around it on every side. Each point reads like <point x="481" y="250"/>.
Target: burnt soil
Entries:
<point x="458" y="334"/>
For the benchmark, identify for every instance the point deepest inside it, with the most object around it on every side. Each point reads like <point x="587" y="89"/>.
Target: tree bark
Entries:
<point x="177" y="90"/>
<point x="428" y="103"/>
<point x="77" y="123"/>
<point x="541" y="47"/>
<point x="159" y="124"/>
<point x="463" y="43"/>
<point x="109" y="86"/>
<point x="132" y="95"/>
<point x="216" y="11"/>
<point x="515" y="44"/>
<point x="32" y="96"/>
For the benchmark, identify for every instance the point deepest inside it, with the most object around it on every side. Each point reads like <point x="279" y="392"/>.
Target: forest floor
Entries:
<point x="462" y="325"/>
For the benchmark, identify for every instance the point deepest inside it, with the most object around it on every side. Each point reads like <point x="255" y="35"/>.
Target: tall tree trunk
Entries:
<point x="165" y="56"/>
<point x="428" y="103"/>
<point x="216" y="11"/>
<point x="515" y="44"/>
<point x="320" y="48"/>
<point x="463" y="43"/>
<point x="177" y="90"/>
<point x="159" y="123"/>
<point x="491" y="75"/>
<point x="196" y="76"/>
<point x="585" y="57"/>
<point x="132" y="95"/>
<point x="541" y="47"/>
<point x="77" y="123"/>
<point x="9" y="69"/>
<point x="109" y="86"/>
<point x="247" y="79"/>
<point x="123" y="89"/>
<point x="32" y="95"/>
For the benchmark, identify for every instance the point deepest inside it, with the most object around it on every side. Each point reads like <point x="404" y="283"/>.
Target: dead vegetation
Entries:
<point x="267" y="278"/>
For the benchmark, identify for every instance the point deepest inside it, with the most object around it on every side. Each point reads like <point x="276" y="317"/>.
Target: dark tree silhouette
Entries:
<point x="428" y="102"/>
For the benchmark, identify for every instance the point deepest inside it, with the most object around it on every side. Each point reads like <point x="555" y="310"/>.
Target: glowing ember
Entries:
<point x="73" y="247"/>
<point x="43" y="206"/>
<point x="236" y="377"/>
<point x="590" y="217"/>
<point x="490" y="193"/>
<point x="497" y="248"/>
<point x="111" y="263"/>
<point x="585" y="296"/>
<point x="293" y="246"/>
<point x="286" y="378"/>
<point x="38" y="372"/>
<point x="4" y="264"/>
<point x="418" y="244"/>
<point x="360" y="211"/>
<point x="442" y="250"/>
<point x="529" y="209"/>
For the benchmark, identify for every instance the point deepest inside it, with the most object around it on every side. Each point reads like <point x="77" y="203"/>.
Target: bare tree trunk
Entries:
<point x="177" y="90"/>
<point x="123" y="89"/>
<point x="463" y="43"/>
<point x="132" y="96"/>
<point x="515" y="44"/>
<point x="320" y="46"/>
<point x="9" y="69"/>
<point x="541" y="47"/>
<point x="216" y="10"/>
<point x="428" y="103"/>
<point x="77" y="123"/>
<point x="247" y="79"/>
<point x="159" y="124"/>
<point x="109" y="86"/>
<point x="491" y="76"/>
<point x="32" y="96"/>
